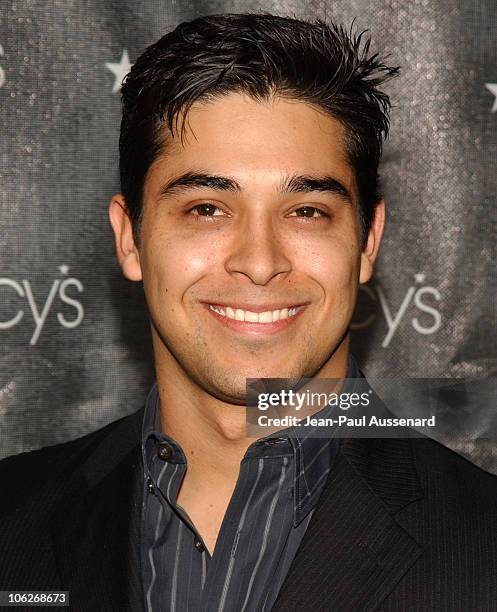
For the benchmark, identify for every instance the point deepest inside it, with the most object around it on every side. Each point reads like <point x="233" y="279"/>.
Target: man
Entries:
<point x="250" y="210"/>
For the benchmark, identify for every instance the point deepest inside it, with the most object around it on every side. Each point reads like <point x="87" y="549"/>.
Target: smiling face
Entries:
<point x="249" y="247"/>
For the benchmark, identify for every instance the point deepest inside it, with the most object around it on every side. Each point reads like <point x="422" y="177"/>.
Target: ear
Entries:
<point x="126" y="249"/>
<point x="370" y="251"/>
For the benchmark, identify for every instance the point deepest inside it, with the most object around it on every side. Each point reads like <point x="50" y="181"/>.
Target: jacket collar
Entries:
<point x="354" y="551"/>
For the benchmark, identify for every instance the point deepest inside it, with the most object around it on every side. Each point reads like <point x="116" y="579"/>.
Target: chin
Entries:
<point x="230" y="394"/>
<point x="232" y="388"/>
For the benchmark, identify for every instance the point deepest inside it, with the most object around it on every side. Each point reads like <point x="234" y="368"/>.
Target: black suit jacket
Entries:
<point x="402" y="524"/>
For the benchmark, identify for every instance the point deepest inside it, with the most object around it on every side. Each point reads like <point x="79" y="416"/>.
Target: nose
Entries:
<point x="257" y="251"/>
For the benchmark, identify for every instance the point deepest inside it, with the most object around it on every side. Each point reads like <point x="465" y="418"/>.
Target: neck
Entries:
<point x="212" y="432"/>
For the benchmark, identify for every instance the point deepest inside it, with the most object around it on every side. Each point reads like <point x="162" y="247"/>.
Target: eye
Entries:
<point x="206" y="210"/>
<point x="309" y="212"/>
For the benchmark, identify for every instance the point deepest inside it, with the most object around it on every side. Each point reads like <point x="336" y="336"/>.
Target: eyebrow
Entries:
<point x="289" y="184"/>
<point x="198" y="180"/>
<point x="308" y="184"/>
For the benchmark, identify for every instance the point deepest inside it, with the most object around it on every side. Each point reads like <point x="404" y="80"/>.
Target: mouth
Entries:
<point x="256" y="319"/>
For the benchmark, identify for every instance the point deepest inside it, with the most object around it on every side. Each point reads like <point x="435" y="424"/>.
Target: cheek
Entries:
<point x="332" y="262"/>
<point x="172" y="262"/>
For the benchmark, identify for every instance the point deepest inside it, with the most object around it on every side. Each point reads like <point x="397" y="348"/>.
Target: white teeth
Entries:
<point x="219" y="310"/>
<point x="268" y="316"/>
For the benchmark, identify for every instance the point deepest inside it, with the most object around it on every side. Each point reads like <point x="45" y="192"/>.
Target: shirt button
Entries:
<point x="198" y="545"/>
<point x="150" y="486"/>
<point x="164" y="451"/>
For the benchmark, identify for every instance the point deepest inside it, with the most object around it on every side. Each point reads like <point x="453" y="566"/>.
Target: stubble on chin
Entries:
<point x="227" y="381"/>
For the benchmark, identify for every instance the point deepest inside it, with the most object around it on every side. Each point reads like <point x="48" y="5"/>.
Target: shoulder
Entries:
<point x="445" y="473"/>
<point x="23" y="474"/>
<point x="435" y="459"/>
<point x="403" y="470"/>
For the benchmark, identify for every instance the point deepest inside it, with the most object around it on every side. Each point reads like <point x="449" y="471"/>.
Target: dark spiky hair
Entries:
<point x="261" y="55"/>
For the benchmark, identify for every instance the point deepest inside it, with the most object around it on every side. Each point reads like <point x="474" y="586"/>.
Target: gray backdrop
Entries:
<point x="74" y="334"/>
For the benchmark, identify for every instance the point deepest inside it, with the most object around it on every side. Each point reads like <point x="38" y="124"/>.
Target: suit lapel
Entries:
<point x="354" y="552"/>
<point x="96" y="534"/>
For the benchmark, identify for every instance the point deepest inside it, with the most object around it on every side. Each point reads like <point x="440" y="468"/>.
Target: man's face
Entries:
<point x="251" y="262"/>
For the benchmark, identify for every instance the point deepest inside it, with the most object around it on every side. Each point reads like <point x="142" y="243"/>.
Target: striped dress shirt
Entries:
<point x="281" y="478"/>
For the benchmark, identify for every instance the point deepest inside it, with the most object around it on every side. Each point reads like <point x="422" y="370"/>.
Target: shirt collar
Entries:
<point x="153" y="434"/>
<point x="313" y="456"/>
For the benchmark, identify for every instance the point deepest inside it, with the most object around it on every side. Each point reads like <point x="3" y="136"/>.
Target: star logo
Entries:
<point x="64" y="269"/>
<point x="119" y="70"/>
<point x="419" y="278"/>
<point x="492" y="88"/>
